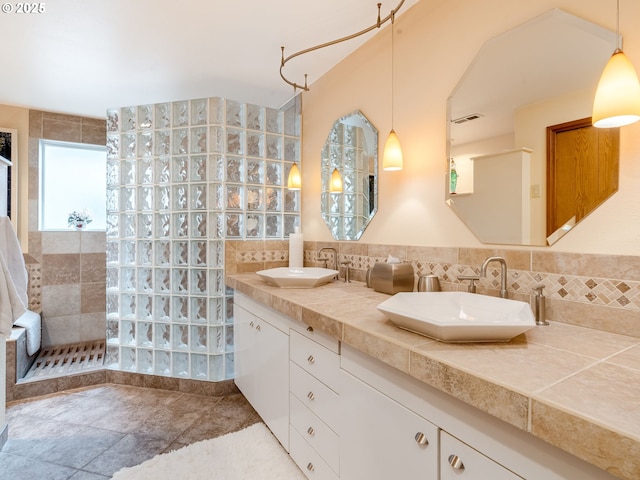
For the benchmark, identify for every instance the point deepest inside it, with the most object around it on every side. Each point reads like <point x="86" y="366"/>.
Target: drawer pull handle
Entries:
<point x="311" y="360"/>
<point x="310" y="396"/>
<point x="251" y="324"/>
<point x="311" y="431"/>
<point x="455" y="462"/>
<point x="258" y="327"/>
<point x="310" y="466"/>
<point x="421" y="439"/>
<point x="309" y="329"/>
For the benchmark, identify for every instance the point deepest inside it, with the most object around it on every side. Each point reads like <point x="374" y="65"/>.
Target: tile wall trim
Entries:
<point x="591" y="290"/>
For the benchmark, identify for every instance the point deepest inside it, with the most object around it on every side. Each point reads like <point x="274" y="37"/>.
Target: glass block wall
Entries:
<point x="183" y="177"/>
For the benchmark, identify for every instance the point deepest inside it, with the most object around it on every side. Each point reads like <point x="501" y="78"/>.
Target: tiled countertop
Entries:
<point x="576" y="388"/>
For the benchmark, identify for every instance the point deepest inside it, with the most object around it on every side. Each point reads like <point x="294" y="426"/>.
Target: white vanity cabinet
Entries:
<point x="486" y="447"/>
<point x="261" y="337"/>
<point x="381" y="439"/>
<point x="343" y="414"/>
<point x="315" y="403"/>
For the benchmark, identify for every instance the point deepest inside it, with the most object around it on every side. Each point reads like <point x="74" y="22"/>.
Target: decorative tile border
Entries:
<point x="262" y="256"/>
<point x="588" y="290"/>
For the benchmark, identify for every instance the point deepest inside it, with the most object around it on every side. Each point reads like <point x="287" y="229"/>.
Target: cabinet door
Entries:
<point x="459" y="461"/>
<point x="381" y="439"/>
<point x="272" y="379"/>
<point x="244" y="340"/>
<point x="262" y="370"/>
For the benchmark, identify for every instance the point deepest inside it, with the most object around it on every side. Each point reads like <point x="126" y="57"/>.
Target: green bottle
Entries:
<point x="453" y="178"/>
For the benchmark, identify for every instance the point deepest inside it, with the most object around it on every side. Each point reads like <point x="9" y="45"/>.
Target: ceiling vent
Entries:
<point x="467" y="118"/>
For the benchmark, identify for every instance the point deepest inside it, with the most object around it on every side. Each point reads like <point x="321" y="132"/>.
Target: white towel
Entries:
<point x="10" y="249"/>
<point x="31" y="322"/>
<point x="11" y="305"/>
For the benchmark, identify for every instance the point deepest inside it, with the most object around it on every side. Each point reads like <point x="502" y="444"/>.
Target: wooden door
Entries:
<point x="582" y="170"/>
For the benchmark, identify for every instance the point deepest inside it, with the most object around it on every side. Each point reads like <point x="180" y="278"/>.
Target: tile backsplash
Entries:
<point x="595" y="291"/>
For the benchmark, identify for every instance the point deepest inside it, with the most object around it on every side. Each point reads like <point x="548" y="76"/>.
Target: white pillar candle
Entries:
<point x="296" y="249"/>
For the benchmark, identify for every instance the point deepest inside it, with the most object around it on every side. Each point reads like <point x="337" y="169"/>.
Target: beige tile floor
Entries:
<point x="91" y="433"/>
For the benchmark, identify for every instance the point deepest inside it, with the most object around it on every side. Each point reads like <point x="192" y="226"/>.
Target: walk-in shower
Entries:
<point x="182" y="178"/>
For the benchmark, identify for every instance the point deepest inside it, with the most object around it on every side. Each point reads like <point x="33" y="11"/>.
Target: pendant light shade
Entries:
<point x="617" y="101"/>
<point x="294" y="181"/>
<point x="336" y="182"/>
<point x="392" y="155"/>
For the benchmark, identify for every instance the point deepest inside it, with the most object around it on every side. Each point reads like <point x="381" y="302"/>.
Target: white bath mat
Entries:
<point x="249" y="454"/>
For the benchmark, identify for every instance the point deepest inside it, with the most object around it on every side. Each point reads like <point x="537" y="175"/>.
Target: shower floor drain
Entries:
<point x="67" y="360"/>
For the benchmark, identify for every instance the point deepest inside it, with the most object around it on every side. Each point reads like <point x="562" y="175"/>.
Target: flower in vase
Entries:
<point x="79" y="219"/>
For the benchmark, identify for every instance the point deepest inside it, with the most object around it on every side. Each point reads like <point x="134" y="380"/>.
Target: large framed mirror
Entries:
<point x="351" y="150"/>
<point x="540" y="74"/>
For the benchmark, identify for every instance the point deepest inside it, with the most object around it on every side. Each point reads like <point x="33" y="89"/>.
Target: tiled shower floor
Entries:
<point x="92" y="432"/>
<point x="66" y="360"/>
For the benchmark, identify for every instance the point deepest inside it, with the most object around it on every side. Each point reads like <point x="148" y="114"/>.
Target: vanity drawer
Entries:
<point x="315" y="395"/>
<point x="315" y="359"/>
<point x="316" y="433"/>
<point x="323" y="339"/>
<point x="459" y="461"/>
<point x="308" y="459"/>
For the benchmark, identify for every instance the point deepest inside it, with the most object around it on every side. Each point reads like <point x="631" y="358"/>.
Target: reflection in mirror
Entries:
<point x="351" y="148"/>
<point x="541" y="73"/>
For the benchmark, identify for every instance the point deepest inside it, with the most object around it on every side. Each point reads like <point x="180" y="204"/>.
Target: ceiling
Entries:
<point x="82" y="57"/>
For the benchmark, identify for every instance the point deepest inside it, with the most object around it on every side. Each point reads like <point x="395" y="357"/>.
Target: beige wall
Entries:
<point x="17" y="118"/>
<point x="434" y="43"/>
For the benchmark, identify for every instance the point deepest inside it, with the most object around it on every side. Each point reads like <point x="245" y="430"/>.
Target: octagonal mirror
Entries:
<point x="503" y="179"/>
<point x="351" y="149"/>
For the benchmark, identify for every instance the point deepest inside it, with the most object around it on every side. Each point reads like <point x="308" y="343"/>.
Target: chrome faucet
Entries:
<point x="347" y="274"/>
<point x="503" y="273"/>
<point x="335" y="256"/>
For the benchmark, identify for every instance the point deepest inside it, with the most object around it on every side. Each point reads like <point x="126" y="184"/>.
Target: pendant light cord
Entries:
<point x="393" y="17"/>
<point x="618" y="40"/>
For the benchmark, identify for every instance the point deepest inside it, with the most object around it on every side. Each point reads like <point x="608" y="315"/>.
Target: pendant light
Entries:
<point x="294" y="181"/>
<point x="617" y="100"/>
<point x="335" y="186"/>
<point x="392" y="156"/>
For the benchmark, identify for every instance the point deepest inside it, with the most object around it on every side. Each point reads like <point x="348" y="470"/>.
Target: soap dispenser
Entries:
<point x="537" y="303"/>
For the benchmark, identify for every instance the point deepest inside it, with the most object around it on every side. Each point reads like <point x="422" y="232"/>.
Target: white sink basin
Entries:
<point x="305" y="277"/>
<point x="459" y="316"/>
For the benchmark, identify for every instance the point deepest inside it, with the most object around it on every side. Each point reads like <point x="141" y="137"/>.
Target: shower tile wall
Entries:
<point x="65" y="268"/>
<point x="182" y="179"/>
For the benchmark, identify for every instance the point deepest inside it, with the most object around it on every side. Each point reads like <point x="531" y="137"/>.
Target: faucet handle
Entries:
<point x="538" y="290"/>
<point x="471" y="288"/>
<point x="347" y="276"/>
<point x="537" y="303"/>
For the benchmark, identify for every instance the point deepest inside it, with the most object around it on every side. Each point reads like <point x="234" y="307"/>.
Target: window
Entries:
<point x="72" y="177"/>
